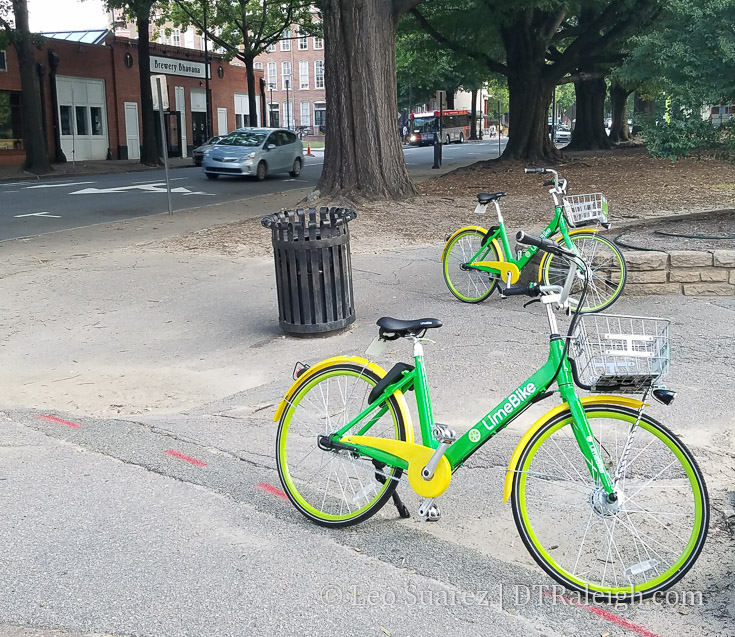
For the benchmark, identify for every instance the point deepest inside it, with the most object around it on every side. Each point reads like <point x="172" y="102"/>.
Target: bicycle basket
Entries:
<point x="581" y="209"/>
<point x="625" y="354"/>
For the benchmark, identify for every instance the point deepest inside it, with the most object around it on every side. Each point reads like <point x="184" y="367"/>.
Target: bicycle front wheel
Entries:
<point x="608" y="271"/>
<point x="336" y="487"/>
<point x="621" y="551"/>
<point x="470" y="286"/>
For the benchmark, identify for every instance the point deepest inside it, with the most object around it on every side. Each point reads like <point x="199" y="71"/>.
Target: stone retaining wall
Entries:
<point x="687" y="272"/>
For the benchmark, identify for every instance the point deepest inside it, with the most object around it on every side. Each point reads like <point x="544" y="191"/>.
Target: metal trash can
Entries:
<point x="313" y="269"/>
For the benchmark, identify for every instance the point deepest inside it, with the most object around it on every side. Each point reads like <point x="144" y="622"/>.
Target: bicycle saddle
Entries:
<point x="485" y="197"/>
<point x="401" y="329"/>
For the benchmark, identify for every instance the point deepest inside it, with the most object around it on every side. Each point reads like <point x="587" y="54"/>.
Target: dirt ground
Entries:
<point x="637" y="188"/>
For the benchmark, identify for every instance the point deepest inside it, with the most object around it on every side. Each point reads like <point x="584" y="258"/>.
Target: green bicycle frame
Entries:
<point x="497" y="419"/>
<point x="558" y="223"/>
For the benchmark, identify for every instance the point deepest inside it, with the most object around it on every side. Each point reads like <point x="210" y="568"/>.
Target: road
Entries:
<point x="39" y="207"/>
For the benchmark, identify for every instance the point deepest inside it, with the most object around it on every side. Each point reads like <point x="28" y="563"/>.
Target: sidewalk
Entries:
<point x="103" y="167"/>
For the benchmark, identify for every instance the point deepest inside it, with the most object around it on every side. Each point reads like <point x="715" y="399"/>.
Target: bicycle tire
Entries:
<point x="603" y="290"/>
<point x="342" y="504"/>
<point x="462" y="247"/>
<point x="630" y="554"/>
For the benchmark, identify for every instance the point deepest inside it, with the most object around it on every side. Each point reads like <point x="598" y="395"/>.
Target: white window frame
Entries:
<point x="286" y="41"/>
<point x="303" y="42"/>
<point x="176" y="37"/>
<point x="258" y="66"/>
<point x="305" y="111"/>
<point x="272" y="77"/>
<point x="316" y="74"/>
<point x="286" y="75"/>
<point x="304" y="76"/>
<point x="322" y="107"/>
<point x="287" y="115"/>
<point x="318" y="44"/>
<point x="271" y="48"/>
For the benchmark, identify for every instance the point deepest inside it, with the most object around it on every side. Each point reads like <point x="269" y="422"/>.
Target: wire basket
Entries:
<point x="582" y="209"/>
<point x="626" y="354"/>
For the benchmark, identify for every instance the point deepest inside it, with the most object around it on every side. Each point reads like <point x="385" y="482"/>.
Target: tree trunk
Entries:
<point x="642" y="109"/>
<point x="252" y="97"/>
<point x="149" y="148"/>
<point x="619" y="130"/>
<point x="473" y="115"/>
<point x="589" y="131"/>
<point x="37" y="159"/>
<point x="530" y="90"/>
<point x="364" y="157"/>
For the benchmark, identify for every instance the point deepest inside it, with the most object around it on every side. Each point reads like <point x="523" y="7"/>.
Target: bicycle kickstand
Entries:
<point x="380" y="477"/>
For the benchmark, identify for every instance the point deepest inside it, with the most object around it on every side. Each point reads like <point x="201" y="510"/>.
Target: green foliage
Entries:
<point x="687" y="135"/>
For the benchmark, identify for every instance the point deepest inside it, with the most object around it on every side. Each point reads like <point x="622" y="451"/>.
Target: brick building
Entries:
<point x="90" y="94"/>
<point x="296" y="62"/>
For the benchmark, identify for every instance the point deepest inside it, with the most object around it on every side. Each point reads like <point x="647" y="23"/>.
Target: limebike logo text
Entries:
<point x="513" y="402"/>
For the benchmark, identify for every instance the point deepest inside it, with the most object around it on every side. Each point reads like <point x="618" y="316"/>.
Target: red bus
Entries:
<point x="455" y="127"/>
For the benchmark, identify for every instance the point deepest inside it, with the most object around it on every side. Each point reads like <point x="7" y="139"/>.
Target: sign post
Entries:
<point x="500" y="127"/>
<point x="164" y="141"/>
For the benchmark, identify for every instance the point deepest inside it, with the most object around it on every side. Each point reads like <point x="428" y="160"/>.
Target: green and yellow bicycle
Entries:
<point x="608" y="501"/>
<point x="477" y="260"/>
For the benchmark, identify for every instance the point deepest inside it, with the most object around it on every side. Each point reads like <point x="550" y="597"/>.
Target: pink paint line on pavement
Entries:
<point x="271" y="489"/>
<point x="606" y="614"/>
<point x="63" y="422"/>
<point x="181" y="456"/>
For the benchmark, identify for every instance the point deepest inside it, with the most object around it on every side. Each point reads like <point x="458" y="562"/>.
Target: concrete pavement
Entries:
<point x="117" y="354"/>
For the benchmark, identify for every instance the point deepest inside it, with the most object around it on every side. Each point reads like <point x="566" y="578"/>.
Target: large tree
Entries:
<point x="364" y="157"/>
<point x="243" y="28"/>
<point x="17" y="31"/>
<point x="543" y="43"/>
<point x="142" y="11"/>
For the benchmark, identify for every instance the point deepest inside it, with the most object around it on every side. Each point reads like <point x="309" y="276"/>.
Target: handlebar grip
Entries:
<point x="549" y="183"/>
<point x="520" y="290"/>
<point x="539" y="171"/>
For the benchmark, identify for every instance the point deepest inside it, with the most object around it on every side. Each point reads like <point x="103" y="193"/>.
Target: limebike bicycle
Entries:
<point x="476" y="260"/>
<point x="608" y="501"/>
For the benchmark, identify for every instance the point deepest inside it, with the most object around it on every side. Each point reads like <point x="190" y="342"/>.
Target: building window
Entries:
<point x="288" y="114"/>
<point x="303" y="43"/>
<point x="258" y="66"/>
<point x="82" y="122"/>
<point x="320" y="115"/>
<point x="189" y="38"/>
<point x="286" y="74"/>
<point x="304" y="74"/>
<point x="65" y="112"/>
<point x="11" y="121"/>
<point x="272" y="78"/>
<point x="318" y="44"/>
<point x="286" y="42"/>
<point x="98" y="127"/>
<point x="176" y="34"/>
<point x="319" y="74"/>
<point x="3" y="61"/>
<point x="305" y="114"/>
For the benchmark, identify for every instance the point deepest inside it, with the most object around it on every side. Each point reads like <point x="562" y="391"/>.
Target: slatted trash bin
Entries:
<point x="313" y="269"/>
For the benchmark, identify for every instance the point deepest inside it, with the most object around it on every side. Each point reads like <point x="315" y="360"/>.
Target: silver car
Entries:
<point x="256" y="152"/>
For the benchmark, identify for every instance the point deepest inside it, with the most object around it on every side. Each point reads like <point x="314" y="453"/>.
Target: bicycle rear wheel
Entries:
<point x="622" y="551"/>
<point x="335" y="487"/>
<point x="470" y="286"/>
<point x="608" y="271"/>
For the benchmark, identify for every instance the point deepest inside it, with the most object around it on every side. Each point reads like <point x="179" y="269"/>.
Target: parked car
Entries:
<point x="257" y="152"/>
<point x="198" y="153"/>
<point x="563" y="135"/>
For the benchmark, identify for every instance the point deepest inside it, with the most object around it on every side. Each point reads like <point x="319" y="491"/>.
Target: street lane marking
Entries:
<point x="73" y="183"/>
<point x="62" y="422"/>
<point x="158" y="181"/>
<point x="189" y="459"/>
<point x="39" y="214"/>
<point x="153" y="187"/>
<point x="272" y="490"/>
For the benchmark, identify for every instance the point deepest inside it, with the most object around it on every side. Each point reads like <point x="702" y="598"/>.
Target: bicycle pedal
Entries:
<point x="444" y="434"/>
<point x="430" y="511"/>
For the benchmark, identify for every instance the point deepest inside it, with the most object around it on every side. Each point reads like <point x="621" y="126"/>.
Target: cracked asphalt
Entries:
<point x="124" y="515"/>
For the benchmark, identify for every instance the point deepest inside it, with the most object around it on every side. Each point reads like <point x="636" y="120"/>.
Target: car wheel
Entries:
<point x="296" y="170"/>
<point x="262" y="171"/>
<point x="461" y="138"/>
<point x="449" y="141"/>
<point x="211" y="175"/>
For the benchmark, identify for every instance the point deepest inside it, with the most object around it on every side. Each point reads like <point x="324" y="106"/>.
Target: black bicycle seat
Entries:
<point x="485" y="197"/>
<point x="402" y="328"/>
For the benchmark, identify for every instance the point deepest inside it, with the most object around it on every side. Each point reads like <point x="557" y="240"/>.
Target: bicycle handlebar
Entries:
<point x="547" y="245"/>
<point x="539" y="171"/>
<point x="519" y="290"/>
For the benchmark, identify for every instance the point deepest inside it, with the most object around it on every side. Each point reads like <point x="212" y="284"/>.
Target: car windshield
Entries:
<point x="242" y="138"/>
